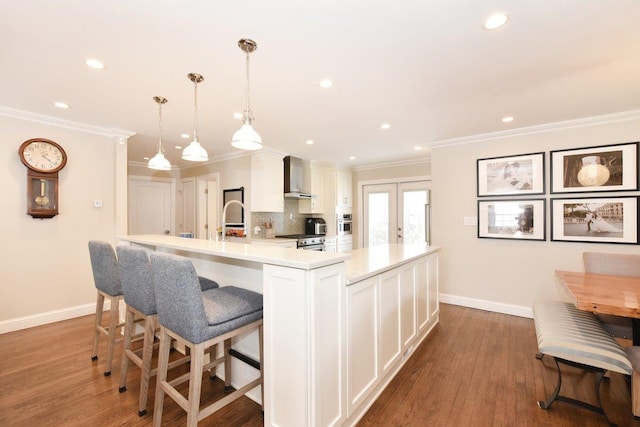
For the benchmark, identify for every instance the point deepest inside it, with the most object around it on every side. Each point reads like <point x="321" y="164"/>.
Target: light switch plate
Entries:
<point x="471" y="220"/>
<point x="97" y="203"/>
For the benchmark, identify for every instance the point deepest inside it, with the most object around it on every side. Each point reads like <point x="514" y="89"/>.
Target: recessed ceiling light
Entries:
<point x="385" y="126"/>
<point x="496" y="21"/>
<point x="309" y="142"/>
<point x="326" y="83"/>
<point x="417" y="148"/>
<point x="61" y="105"/>
<point x="185" y="135"/>
<point x="178" y="147"/>
<point x="352" y="158"/>
<point x="238" y="115"/>
<point x="94" y="63"/>
<point x="507" y="119"/>
<point x="145" y="158"/>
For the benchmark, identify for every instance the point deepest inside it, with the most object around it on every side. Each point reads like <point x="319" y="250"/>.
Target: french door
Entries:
<point x="396" y="213"/>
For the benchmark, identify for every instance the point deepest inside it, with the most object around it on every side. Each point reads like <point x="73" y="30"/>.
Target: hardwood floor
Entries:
<point x="475" y="369"/>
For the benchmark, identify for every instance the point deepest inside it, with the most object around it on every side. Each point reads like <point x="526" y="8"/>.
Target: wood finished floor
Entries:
<point x="475" y="369"/>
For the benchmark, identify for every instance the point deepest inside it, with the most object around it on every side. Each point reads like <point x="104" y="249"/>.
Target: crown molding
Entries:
<point x="396" y="163"/>
<point x="624" y="116"/>
<point x="67" y="124"/>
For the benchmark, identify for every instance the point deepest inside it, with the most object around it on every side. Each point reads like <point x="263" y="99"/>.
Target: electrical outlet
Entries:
<point x="97" y="203"/>
<point x="471" y="220"/>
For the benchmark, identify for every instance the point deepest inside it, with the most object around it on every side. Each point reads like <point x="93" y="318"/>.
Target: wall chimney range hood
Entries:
<point x="294" y="186"/>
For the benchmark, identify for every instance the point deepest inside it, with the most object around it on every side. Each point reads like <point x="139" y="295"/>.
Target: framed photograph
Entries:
<point x="512" y="219"/>
<point x="603" y="168"/>
<point x="512" y="175"/>
<point x="595" y="220"/>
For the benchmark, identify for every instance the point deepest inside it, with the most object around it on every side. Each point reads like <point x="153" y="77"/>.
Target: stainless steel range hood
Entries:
<point x="293" y="179"/>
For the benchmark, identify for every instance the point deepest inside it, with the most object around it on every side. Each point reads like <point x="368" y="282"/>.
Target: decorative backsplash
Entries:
<point x="289" y="222"/>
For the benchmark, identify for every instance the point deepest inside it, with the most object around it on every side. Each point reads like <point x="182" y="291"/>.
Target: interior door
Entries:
<point x="150" y="203"/>
<point x="188" y="203"/>
<point x="208" y="202"/>
<point x="395" y="213"/>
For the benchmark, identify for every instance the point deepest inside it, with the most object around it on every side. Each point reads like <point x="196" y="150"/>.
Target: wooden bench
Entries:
<point x="577" y="338"/>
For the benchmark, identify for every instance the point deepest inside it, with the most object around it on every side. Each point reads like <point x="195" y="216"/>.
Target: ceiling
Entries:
<point x="426" y="67"/>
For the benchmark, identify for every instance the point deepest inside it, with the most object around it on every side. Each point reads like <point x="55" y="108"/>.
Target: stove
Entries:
<point x="310" y="242"/>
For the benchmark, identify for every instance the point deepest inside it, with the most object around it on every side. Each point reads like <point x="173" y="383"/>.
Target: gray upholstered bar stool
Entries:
<point x="107" y="281"/>
<point x="199" y="320"/>
<point x="140" y="300"/>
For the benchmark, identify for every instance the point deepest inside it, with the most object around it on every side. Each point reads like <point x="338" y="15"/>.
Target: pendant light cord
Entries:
<point x="195" y="111"/>
<point x="248" y="111"/>
<point x="160" y="147"/>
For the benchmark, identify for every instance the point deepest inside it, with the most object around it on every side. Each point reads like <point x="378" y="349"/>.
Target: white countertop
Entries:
<point x="368" y="262"/>
<point x="264" y="254"/>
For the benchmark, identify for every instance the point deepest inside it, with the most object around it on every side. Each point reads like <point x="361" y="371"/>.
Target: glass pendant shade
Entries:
<point x="246" y="138"/>
<point x="159" y="161"/>
<point x="194" y="151"/>
<point x="593" y="172"/>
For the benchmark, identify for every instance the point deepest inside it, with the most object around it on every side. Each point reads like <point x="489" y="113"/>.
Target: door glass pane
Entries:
<point x="378" y="218"/>
<point x="413" y="223"/>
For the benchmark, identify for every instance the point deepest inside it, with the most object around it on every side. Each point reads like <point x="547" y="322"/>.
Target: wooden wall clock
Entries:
<point x="43" y="159"/>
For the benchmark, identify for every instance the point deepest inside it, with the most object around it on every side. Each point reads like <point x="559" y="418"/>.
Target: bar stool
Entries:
<point x="107" y="281"/>
<point x="140" y="300"/>
<point x="199" y="320"/>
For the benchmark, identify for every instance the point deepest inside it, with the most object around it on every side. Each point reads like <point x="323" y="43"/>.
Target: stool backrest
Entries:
<point x="137" y="279"/>
<point x="178" y="295"/>
<point x="106" y="275"/>
<point x="614" y="264"/>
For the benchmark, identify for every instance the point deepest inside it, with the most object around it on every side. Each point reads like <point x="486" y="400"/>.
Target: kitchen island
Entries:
<point x="337" y="326"/>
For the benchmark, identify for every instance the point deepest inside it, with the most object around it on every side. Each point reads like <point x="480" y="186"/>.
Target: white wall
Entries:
<point x="509" y="275"/>
<point x="46" y="273"/>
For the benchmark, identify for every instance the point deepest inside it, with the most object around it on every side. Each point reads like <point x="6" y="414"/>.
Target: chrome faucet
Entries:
<point x="224" y="218"/>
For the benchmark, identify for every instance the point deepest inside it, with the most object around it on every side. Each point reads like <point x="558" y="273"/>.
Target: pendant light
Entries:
<point x="159" y="161"/>
<point x="247" y="138"/>
<point x="593" y="172"/>
<point x="194" y="151"/>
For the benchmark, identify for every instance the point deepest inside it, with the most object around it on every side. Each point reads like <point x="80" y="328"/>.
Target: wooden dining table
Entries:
<point x="605" y="294"/>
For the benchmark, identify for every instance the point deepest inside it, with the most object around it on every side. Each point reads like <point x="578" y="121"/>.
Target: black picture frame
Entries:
<point x="595" y="169"/>
<point x="595" y="220"/>
<point x="235" y="212"/>
<point x="521" y="219"/>
<point x="520" y="175"/>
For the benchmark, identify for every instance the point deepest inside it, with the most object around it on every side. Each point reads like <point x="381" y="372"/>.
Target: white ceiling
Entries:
<point x="425" y="66"/>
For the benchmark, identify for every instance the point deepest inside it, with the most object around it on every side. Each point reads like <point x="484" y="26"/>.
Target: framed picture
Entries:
<point x="603" y="168"/>
<point x="512" y="175"/>
<point x="512" y="219"/>
<point x="595" y="220"/>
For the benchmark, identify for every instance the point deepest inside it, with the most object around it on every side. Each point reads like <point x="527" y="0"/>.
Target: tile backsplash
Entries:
<point x="288" y="222"/>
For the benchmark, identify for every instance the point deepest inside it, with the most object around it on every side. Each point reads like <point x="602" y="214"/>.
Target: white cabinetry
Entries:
<point x="331" y="244"/>
<point x="338" y="195"/>
<point x="388" y="315"/>
<point x="344" y="192"/>
<point x="267" y="182"/>
<point x="345" y="243"/>
<point x="313" y="178"/>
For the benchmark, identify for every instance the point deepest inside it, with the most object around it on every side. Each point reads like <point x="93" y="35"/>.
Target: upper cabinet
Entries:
<point x="267" y="182"/>
<point x="344" y="192"/>
<point x="313" y="177"/>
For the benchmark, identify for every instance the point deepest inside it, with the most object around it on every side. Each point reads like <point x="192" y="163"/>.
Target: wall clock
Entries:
<point x="43" y="159"/>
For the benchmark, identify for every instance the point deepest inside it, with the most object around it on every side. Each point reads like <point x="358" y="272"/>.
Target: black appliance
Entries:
<point x="309" y="242"/>
<point x="315" y="226"/>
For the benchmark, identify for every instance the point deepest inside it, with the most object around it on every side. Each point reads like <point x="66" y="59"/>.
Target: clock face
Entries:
<point x="42" y="155"/>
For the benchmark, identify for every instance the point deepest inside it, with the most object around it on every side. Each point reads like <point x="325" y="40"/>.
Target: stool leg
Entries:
<point x="129" y="324"/>
<point x="163" y="364"/>
<point x="261" y="344"/>
<point x="113" y="324"/>
<point x="227" y="366"/>
<point x="98" y="322"/>
<point x="635" y="393"/>
<point x="195" y="385"/>
<point x="147" y="353"/>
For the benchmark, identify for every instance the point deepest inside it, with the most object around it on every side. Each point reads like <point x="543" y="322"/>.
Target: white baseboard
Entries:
<point x="513" y="310"/>
<point x="25" y="322"/>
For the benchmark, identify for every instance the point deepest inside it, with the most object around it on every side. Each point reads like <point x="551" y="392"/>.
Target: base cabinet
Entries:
<point x="388" y="315"/>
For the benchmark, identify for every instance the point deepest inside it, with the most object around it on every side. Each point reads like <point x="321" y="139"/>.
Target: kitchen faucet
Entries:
<point x="224" y="219"/>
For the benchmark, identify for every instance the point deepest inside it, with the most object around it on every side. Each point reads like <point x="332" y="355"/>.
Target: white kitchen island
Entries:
<point x="329" y="344"/>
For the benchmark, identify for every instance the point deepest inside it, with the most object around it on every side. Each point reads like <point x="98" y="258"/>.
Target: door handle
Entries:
<point x="167" y="231"/>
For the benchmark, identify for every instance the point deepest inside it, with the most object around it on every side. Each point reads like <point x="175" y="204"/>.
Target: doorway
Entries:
<point x="395" y="212"/>
<point x="207" y="201"/>
<point x="151" y="205"/>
